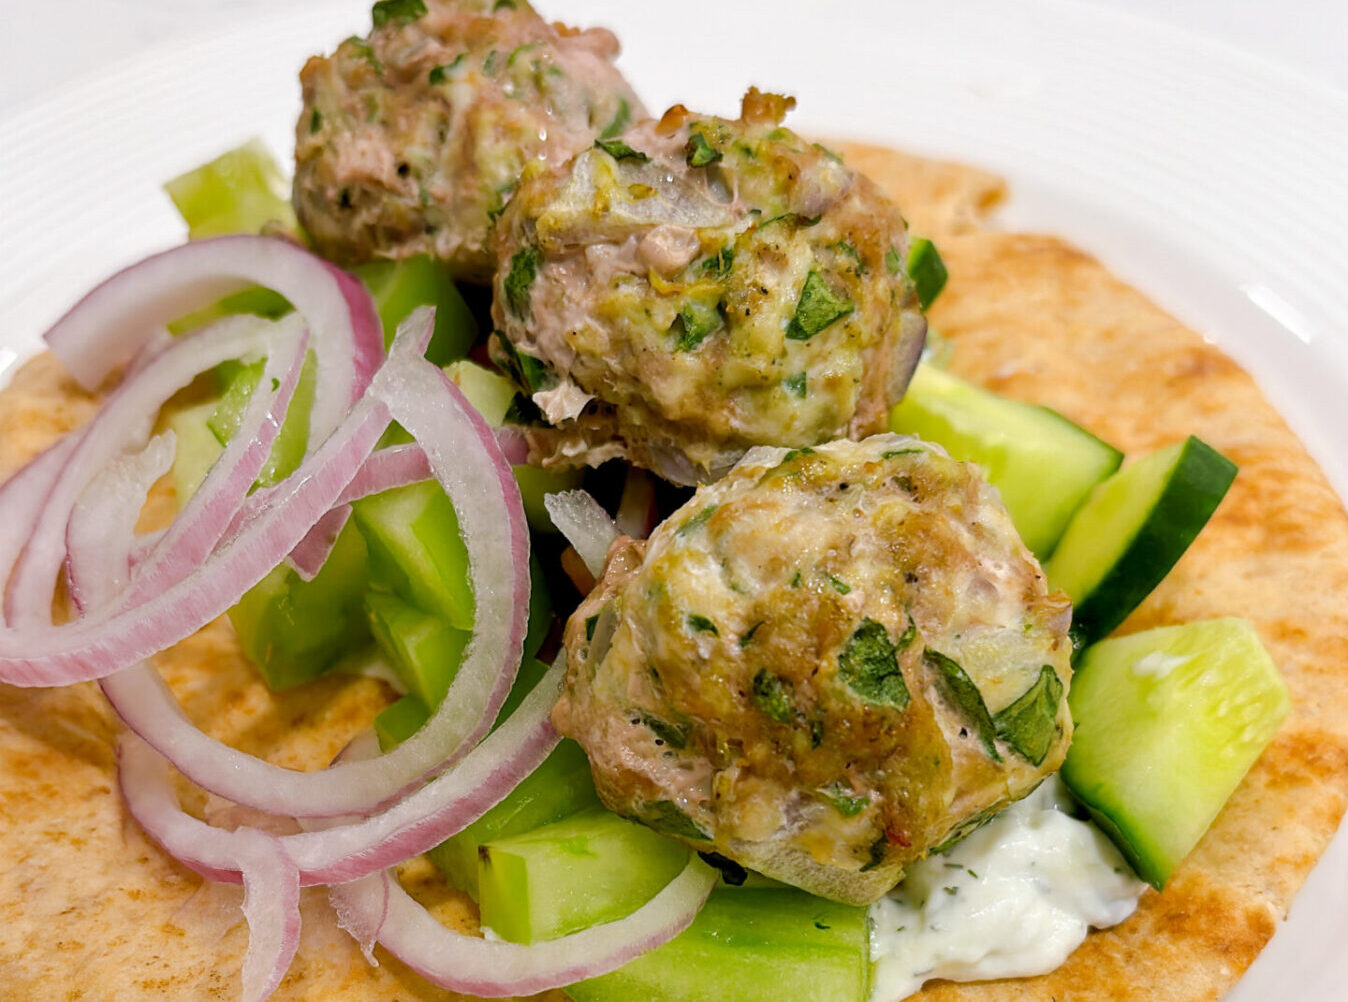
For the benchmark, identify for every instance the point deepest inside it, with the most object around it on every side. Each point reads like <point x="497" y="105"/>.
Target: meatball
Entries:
<point x="700" y="286"/>
<point x="411" y="140"/>
<point x="824" y="666"/>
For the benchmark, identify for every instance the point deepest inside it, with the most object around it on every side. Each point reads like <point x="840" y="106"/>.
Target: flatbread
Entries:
<point x="90" y="909"/>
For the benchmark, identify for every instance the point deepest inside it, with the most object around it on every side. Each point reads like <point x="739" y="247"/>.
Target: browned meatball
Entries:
<point x="823" y="666"/>
<point x="700" y="286"/>
<point x="412" y="139"/>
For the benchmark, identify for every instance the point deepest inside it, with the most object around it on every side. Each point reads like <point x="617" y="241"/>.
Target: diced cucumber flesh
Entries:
<point x="1134" y="527"/>
<point x="256" y="300"/>
<point x="589" y="868"/>
<point x="490" y="392"/>
<point x="295" y="630"/>
<point x="761" y="944"/>
<point x="416" y="551"/>
<point x="1168" y="721"/>
<point x="197" y="448"/>
<point x="536" y="483"/>
<point x="561" y="786"/>
<point x="399" y="721"/>
<point x="287" y="451"/>
<point x="1043" y="465"/>
<point x="399" y="287"/>
<point x="422" y="648"/>
<point x="240" y="191"/>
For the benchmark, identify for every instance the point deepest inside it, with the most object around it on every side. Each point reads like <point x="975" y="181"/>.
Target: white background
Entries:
<point x="44" y="43"/>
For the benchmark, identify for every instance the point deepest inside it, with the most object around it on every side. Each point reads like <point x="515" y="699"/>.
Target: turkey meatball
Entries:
<point x="699" y="286"/>
<point x="824" y="666"/>
<point x="412" y="139"/>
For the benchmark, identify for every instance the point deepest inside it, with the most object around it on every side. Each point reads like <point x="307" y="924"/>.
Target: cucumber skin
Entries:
<point x="1089" y="778"/>
<point x="1202" y="473"/>
<point x="750" y="944"/>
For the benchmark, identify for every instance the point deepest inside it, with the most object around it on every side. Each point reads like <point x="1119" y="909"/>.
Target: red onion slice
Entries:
<point x="271" y="906"/>
<point x="637" y="513"/>
<point x="105" y="329"/>
<point x="495" y="969"/>
<point x="312" y="552"/>
<point x="585" y="524"/>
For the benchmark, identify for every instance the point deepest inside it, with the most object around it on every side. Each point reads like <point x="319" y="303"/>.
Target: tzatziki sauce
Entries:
<point x="1011" y="900"/>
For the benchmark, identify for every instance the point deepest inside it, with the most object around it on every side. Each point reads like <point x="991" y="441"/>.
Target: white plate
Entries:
<point x="1211" y="180"/>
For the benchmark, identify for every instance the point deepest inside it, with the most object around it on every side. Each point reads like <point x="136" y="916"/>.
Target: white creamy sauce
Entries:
<point x="1012" y="900"/>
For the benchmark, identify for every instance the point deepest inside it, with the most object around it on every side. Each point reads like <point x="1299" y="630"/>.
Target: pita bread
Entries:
<point x="90" y="909"/>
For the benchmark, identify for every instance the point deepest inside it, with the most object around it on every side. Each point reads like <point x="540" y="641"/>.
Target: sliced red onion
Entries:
<point x="585" y="524"/>
<point x="637" y="513"/>
<point x="514" y="446"/>
<point x="102" y="524"/>
<point x="495" y="969"/>
<point x="386" y="469"/>
<point x="462" y="453"/>
<point x="105" y="329"/>
<point x="22" y="497"/>
<point x="308" y="558"/>
<point x="123" y="424"/>
<point x="271" y="906"/>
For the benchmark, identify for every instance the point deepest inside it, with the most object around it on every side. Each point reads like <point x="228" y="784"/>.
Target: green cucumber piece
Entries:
<point x="1168" y="721"/>
<point x="1043" y="465"/>
<point x="399" y="721"/>
<point x="287" y="451"/>
<point x="240" y="191"/>
<point x="197" y="448"/>
<point x="750" y="944"/>
<point x="1132" y="530"/>
<point x="422" y="648"/>
<point x="295" y="630"/>
<point x="589" y="868"/>
<point x="399" y="287"/>
<point x="255" y="300"/>
<point x="490" y="392"/>
<point x="927" y="270"/>
<point x="416" y="551"/>
<point x="560" y="787"/>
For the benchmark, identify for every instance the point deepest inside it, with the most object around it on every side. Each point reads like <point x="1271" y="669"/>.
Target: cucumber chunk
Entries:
<point x="589" y="868"/>
<point x="295" y="630"/>
<point x="1168" y="721"/>
<point x="422" y="648"/>
<point x="240" y="191"/>
<point x="560" y="787"/>
<point x="416" y="551"/>
<point x="287" y="450"/>
<point x="759" y="944"/>
<point x="398" y="722"/>
<point x="399" y="287"/>
<point x="1043" y="464"/>
<point x="197" y="447"/>
<point x="1132" y="530"/>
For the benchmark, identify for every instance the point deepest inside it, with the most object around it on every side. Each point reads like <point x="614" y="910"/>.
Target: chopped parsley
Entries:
<point x="892" y="263"/>
<point x="366" y="51"/>
<point x="504" y="5"/>
<point x="719" y="263"/>
<point x="621" y="119"/>
<point x="315" y="121"/>
<point x="699" y="152"/>
<point x="439" y="74"/>
<point x="796" y="385"/>
<point x="844" y="799"/>
<point x="619" y="150"/>
<point x="772" y="697"/>
<point x="700" y="623"/>
<point x="869" y="666"/>
<point x="590" y="623"/>
<point x="891" y="453"/>
<point x="795" y="580"/>
<point x="839" y="585"/>
<point x="877" y="854"/>
<point x="666" y="816"/>
<point x="396" y="11"/>
<point x="828" y="152"/>
<point x="817" y="307"/>
<point x="519" y="281"/>
<point x="696" y="522"/>
<point x="748" y="635"/>
<point x="793" y="453"/>
<point x="843" y="247"/>
<point x="695" y="321"/>
<point x="927" y="270"/>
<point x="528" y="371"/>
<point x="1029" y="724"/>
<point x="816" y="732"/>
<point x="964" y="694"/>
<point x="518" y="51"/>
<point x="671" y="734"/>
